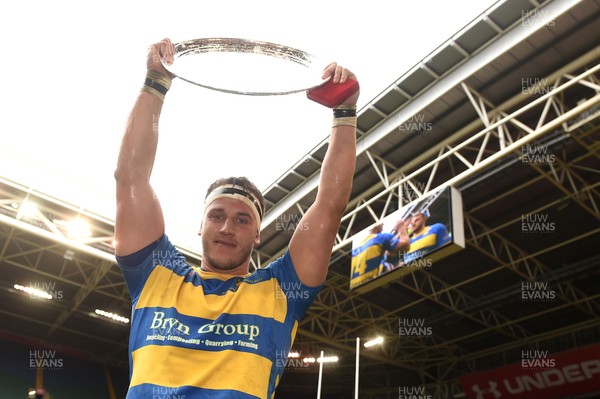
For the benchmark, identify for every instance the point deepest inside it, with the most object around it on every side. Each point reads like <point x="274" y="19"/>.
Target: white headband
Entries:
<point x="239" y="193"/>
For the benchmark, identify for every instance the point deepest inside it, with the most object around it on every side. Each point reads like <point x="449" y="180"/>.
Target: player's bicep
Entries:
<point x="311" y="244"/>
<point x="139" y="219"/>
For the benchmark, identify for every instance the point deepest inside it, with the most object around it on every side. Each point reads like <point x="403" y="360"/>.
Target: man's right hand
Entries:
<point x="164" y="50"/>
<point x="400" y="225"/>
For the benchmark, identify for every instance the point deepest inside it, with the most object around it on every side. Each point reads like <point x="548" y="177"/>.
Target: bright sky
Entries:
<point x="72" y="70"/>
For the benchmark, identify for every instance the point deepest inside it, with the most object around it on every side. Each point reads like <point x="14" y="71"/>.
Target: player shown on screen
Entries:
<point x="424" y="238"/>
<point x="368" y="257"/>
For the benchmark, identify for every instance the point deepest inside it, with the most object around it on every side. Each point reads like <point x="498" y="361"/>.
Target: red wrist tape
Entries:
<point x="333" y="94"/>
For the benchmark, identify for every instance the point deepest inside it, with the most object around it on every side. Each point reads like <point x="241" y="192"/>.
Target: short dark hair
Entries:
<point x="242" y="182"/>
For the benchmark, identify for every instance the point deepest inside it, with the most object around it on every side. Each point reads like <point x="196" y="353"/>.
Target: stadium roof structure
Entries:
<point x="523" y="75"/>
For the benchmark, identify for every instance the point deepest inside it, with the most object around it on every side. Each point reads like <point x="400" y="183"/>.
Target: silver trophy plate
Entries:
<point x="248" y="67"/>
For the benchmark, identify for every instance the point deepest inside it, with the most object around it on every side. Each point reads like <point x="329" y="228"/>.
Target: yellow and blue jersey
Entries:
<point x="367" y="258"/>
<point x="432" y="237"/>
<point x="197" y="334"/>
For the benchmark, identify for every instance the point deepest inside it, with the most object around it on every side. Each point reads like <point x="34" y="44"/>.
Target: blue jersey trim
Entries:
<point x="149" y="391"/>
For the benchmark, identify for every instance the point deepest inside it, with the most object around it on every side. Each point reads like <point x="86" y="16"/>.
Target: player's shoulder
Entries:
<point x="272" y="269"/>
<point x="437" y="227"/>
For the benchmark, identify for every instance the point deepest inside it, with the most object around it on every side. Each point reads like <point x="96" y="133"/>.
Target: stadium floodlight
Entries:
<point x="368" y="344"/>
<point x="374" y="341"/>
<point x="27" y="210"/>
<point x="78" y="228"/>
<point x="323" y="359"/>
<point x="112" y="316"/>
<point x="33" y="292"/>
<point x="328" y="359"/>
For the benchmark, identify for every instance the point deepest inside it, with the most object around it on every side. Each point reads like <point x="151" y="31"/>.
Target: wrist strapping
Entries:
<point x="156" y="84"/>
<point x="344" y="115"/>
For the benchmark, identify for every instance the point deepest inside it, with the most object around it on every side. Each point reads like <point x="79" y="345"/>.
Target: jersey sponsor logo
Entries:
<point x="251" y="330"/>
<point x="172" y="324"/>
<point x="168" y="324"/>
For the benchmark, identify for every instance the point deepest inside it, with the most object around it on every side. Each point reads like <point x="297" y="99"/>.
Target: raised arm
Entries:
<point x="311" y="244"/>
<point x="403" y="237"/>
<point x="139" y="219"/>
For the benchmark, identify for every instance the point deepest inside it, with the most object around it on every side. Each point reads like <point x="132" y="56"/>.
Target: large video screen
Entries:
<point x="411" y="238"/>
